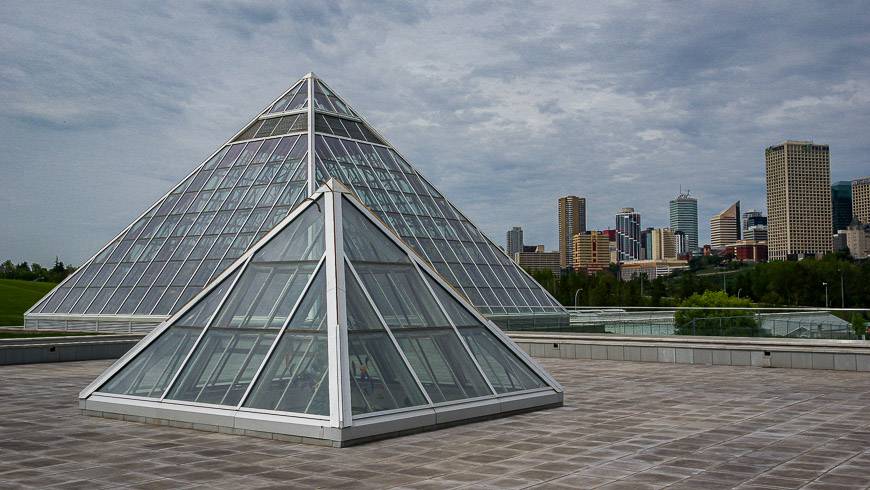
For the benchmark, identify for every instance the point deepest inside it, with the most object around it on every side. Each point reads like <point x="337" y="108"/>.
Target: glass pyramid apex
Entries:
<point x="300" y="337"/>
<point x="303" y="138"/>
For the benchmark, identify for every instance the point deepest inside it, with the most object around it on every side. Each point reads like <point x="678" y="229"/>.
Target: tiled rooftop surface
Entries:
<point x="624" y="425"/>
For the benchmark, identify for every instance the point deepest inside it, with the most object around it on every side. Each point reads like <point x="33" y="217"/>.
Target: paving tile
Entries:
<point x="624" y="425"/>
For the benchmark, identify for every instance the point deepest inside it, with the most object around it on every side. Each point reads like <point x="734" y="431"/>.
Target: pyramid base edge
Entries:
<point x="363" y="431"/>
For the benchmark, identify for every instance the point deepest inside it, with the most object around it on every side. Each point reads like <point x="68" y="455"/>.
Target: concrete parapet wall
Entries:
<point x="62" y="349"/>
<point x="840" y="355"/>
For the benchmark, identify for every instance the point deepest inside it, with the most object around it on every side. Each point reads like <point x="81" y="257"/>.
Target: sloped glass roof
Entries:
<point x="294" y="99"/>
<point x="192" y="234"/>
<point x="266" y="337"/>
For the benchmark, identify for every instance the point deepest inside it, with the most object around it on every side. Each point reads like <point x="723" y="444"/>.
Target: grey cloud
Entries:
<point x="503" y="105"/>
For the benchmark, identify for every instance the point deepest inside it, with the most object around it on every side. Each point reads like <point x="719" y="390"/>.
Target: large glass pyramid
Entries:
<point x="330" y="327"/>
<point x="308" y="135"/>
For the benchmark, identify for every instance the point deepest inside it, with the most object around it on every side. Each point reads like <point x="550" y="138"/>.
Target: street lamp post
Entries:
<point x="575" y="296"/>
<point x="827" y="305"/>
<point x="842" y="290"/>
<point x="738" y="292"/>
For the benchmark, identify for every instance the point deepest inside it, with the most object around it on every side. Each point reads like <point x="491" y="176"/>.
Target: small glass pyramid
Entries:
<point x="305" y="137"/>
<point x="328" y="328"/>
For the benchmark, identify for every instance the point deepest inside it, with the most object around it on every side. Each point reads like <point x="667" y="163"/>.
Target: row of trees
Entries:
<point x="803" y="283"/>
<point x="35" y="272"/>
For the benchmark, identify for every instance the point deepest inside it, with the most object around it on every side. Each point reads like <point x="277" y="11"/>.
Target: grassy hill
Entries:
<point x="17" y="296"/>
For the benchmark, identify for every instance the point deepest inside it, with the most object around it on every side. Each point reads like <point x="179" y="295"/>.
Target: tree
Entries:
<point x="35" y="272"/>
<point x="858" y="325"/>
<point x="732" y="323"/>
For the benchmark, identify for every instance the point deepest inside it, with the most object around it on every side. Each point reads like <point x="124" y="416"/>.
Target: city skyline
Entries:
<point x="654" y="101"/>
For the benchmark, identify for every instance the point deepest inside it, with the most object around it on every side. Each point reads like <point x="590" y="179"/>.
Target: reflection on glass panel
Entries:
<point x="300" y="100"/>
<point x="301" y="240"/>
<point x="236" y="343"/>
<point x="400" y="295"/>
<point x="321" y="101"/>
<point x="502" y="367"/>
<point x="150" y="371"/>
<point x="99" y="301"/>
<point x="295" y="376"/>
<point x="164" y="305"/>
<point x="363" y="241"/>
<point x="132" y="300"/>
<point x="150" y="300"/>
<point x="222" y="365"/>
<point x="204" y="272"/>
<point x="294" y="99"/>
<point x="85" y="299"/>
<point x="240" y="245"/>
<point x="212" y="163"/>
<point x="442" y="364"/>
<point x="283" y="102"/>
<point x="71" y="298"/>
<point x="457" y="313"/>
<point x="265" y="295"/>
<point x="379" y="378"/>
<point x="337" y="105"/>
<point x="55" y="299"/>
<point x="360" y="314"/>
<point x="265" y="150"/>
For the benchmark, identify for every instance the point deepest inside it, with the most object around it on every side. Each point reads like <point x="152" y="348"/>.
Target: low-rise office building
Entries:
<point x="652" y="268"/>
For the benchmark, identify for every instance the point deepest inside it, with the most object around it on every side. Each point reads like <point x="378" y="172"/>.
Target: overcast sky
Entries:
<point x="503" y="106"/>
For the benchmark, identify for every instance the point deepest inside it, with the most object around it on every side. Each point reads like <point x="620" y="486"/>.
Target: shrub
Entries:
<point x="734" y="323"/>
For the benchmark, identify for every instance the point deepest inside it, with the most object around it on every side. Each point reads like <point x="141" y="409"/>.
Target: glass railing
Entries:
<point x="806" y="323"/>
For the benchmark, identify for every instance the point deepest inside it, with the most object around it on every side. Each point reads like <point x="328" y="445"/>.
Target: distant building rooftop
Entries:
<point x="624" y="424"/>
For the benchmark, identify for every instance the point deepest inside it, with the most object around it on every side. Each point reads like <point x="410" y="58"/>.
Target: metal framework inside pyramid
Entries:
<point x="328" y="328"/>
<point x="192" y="234"/>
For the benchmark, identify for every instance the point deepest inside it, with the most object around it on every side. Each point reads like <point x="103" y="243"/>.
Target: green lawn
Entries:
<point x="17" y="296"/>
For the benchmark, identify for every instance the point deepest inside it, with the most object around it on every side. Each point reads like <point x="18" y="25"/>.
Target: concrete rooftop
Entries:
<point x="624" y="425"/>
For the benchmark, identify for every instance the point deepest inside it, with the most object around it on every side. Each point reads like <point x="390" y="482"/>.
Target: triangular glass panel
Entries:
<point x="360" y="314"/>
<point x="457" y="313"/>
<point x="150" y="371"/>
<point x="364" y="242"/>
<point x="303" y="339"/>
<point x="502" y="367"/>
<point x="234" y="346"/>
<point x="295" y="377"/>
<point x="423" y="332"/>
<point x="326" y="100"/>
<point x="276" y="275"/>
<point x="379" y="378"/>
<point x="295" y="98"/>
<point x="442" y="364"/>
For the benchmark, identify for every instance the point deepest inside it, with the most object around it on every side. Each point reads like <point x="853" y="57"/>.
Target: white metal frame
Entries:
<point x="307" y="82"/>
<point x="423" y="265"/>
<point x="334" y="197"/>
